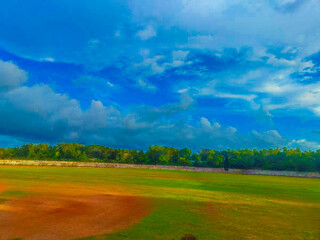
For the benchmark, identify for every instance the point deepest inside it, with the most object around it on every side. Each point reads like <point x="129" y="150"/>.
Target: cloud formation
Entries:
<point x="218" y="74"/>
<point x="146" y="33"/>
<point x="10" y="75"/>
<point x="38" y="113"/>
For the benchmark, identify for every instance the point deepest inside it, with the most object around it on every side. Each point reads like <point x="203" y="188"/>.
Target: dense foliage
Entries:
<point x="271" y="159"/>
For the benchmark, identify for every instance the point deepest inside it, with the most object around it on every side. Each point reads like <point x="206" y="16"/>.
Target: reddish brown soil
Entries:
<point x="69" y="216"/>
<point x="2" y="187"/>
<point x="213" y="212"/>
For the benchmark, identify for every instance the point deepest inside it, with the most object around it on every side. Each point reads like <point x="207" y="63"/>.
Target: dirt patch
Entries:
<point x="68" y="217"/>
<point x="212" y="211"/>
<point x="3" y="187"/>
<point x="74" y="189"/>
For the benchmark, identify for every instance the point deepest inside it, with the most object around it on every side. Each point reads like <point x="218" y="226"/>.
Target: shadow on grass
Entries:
<point x="188" y="237"/>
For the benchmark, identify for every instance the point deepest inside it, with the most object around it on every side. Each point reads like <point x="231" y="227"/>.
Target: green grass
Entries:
<point x="207" y="205"/>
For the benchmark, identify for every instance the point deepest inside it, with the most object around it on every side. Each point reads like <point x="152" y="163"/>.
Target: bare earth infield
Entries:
<point x="66" y="215"/>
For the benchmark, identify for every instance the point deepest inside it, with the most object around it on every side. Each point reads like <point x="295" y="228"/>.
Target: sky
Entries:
<point x="181" y="73"/>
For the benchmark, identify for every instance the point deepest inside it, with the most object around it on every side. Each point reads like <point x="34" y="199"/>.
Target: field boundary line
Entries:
<point x="163" y="167"/>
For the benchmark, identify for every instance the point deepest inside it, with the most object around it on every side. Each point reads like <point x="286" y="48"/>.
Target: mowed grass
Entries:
<point x="206" y="205"/>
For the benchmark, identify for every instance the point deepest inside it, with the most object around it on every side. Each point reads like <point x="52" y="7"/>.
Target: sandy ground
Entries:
<point x="58" y="214"/>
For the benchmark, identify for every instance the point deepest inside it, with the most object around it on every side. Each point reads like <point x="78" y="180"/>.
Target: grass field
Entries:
<point x="91" y="203"/>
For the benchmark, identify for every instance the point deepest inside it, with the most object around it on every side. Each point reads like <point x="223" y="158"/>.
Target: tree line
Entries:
<point x="268" y="159"/>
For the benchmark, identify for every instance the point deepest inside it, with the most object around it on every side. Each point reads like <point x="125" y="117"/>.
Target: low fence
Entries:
<point x="118" y="165"/>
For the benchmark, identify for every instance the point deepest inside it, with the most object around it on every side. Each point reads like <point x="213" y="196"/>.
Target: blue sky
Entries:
<point x="196" y="73"/>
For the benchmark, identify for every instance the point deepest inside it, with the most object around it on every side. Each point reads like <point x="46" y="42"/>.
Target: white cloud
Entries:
<point x="157" y="64"/>
<point x="46" y="59"/>
<point x="11" y="75"/>
<point x="147" y="33"/>
<point x="304" y="144"/>
<point x="178" y="59"/>
<point x="183" y="90"/>
<point x="206" y="124"/>
<point x="210" y="90"/>
<point x="42" y="100"/>
<point x="151" y="63"/>
<point x="146" y="85"/>
<point x="203" y="7"/>
<point x="237" y="23"/>
<point x="276" y="88"/>
<point x="296" y="95"/>
<point x="248" y="97"/>
<point x="180" y="55"/>
<point x="271" y="136"/>
<point x="110" y="84"/>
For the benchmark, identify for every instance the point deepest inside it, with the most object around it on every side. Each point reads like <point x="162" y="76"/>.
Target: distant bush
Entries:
<point x="267" y="159"/>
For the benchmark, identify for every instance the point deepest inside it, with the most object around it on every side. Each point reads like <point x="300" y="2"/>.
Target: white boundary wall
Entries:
<point x="118" y="165"/>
